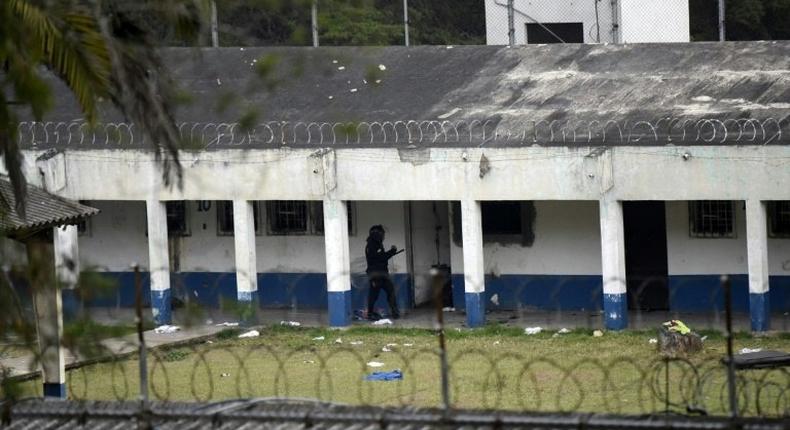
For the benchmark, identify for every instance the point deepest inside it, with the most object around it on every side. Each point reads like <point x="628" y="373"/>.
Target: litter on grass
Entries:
<point x="392" y="344"/>
<point x="653" y="340"/>
<point x="385" y="321"/>
<point x="597" y="333"/>
<point x="291" y="323"/>
<point x="251" y="333"/>
<point x="385" y="349"/>
<point x="564" y="331"/>
<point x="338" y="340"/>
<point x="408" y="344"/>
<point x="228" y="324"/>
<point x="749" y="350"/>
<point x="375" y="364"/>
<point x="394" y="375"/>
<point x="166" y="329"/>
<point x="318" y="338"/>
<point x="533" y="330"/>
<point x="356" y="342"/>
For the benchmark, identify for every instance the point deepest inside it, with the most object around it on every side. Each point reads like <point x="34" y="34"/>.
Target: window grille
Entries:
<point x="779" y="219"/>
<point x="225" y="218"/>
<point x="712" y="219"/>
<point x="177" y="218"/>
<point x="287" y="217"/>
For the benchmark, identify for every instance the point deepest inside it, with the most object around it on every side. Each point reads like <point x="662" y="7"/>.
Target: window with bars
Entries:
<point x="300" y="217"/>
<point x="177" y="218"/>
<point x="712" y="219"/>
<point x="287" y="217"/>
<point x="779" y="219"/>
<point x="225" y="218"/>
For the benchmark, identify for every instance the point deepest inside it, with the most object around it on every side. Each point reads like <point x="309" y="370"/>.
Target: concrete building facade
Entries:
<point x="544" y="178"/>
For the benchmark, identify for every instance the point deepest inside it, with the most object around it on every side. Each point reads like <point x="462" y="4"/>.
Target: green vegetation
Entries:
<point x="495" y="367"/>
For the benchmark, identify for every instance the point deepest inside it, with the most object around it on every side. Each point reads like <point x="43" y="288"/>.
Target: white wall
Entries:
<point x="640" y="20"/>
<point x="567" y="242"/>
<point x="700" y="256"/>
<point x="117" y="237"/>
<point x="424" y="235"/>
<point x="654" y="21"/>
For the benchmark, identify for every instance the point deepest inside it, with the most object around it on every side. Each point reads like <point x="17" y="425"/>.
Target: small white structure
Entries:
<point x="588" y="21"/>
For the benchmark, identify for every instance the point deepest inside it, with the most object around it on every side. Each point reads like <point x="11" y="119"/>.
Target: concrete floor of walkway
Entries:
<point x="207" y="324"/>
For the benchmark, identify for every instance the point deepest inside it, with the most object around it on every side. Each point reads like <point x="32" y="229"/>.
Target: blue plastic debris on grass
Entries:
<point x="395" y="375"/>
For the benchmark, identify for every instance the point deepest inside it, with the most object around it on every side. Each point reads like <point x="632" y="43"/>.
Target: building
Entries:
<point x="539" y="174"/>
<point x="588" y="21"/>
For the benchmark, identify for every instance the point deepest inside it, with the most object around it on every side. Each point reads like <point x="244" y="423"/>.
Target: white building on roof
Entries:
<point x="588" y="21"/>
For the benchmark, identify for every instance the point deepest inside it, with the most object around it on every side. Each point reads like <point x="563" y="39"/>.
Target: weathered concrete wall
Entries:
<point x="518" y="173"/>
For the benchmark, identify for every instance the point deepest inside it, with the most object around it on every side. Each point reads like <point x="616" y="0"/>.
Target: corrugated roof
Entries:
<point x="42" y="210"/>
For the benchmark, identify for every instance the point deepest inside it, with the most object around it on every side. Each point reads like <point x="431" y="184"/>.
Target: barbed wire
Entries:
<point x="201" y="135"/>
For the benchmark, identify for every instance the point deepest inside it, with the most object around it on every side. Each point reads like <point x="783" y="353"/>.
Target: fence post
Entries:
<point x="406" y="21"/>
<point x="214" y="25"/>
<point x="726" y="285"/>
<point x="722" y="21"/>
<point x="314" y="22"/>
<point x="438" y="287"/>
<point x="511" y="26"/>
<point x="138" y="305"/>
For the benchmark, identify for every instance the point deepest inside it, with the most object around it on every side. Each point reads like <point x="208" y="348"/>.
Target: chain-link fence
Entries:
<point x="495" y="22"/>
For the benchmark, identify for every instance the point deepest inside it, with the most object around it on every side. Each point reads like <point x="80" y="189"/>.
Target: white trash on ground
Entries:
<point x="375" y="364"/>
<point x="749" y="350"/>
<point x="597" y="333"/>
<point x="356" y="342"/>
<point x="251" y="333"/>
<point x="533" y="330"/>
<point x="408" y="344"/>
<point x="385" y="349"/>
<point x="319" y="338"/>
<point x="228" y="324"/>
<point x="653" y="340"/>
<point x="338" y="340"/>
<point x="385" y="321"/>
<point x="448" y="309"/>
<point x="166" y="329"/>
<point x="495" y="299"/>
<point x="291" y="323"/>
<point x="564" y="331"/>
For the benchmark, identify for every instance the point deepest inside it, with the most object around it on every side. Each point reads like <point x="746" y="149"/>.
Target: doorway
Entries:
<point x="646" y="269"/>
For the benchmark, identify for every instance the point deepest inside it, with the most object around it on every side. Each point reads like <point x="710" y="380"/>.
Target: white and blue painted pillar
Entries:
<point x="474" y="265"/>
<point x="67" y="267"/>
<point x="338" y="262"/>
<point x="246" y="269"/>
<point x="159" y="262"/>
<point x="757" y="250"/>
<point x="48" y="310"/>
<point x="615" y="300"/>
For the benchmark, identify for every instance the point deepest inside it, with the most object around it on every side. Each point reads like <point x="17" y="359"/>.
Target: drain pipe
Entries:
<point x="615" y="23"/>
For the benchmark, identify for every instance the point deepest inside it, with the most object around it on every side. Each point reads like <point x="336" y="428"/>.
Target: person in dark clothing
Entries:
<point x="378" y="272"/>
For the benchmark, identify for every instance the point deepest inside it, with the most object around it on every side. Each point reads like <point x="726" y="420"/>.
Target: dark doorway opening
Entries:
<point x="646" y="269"/>
<point x="555" y="32"/>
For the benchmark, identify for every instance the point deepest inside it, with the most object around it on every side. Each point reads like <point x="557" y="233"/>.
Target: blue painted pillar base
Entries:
<point x="57" y="391"/>
<point x="475" y="309"/>
<point x="247" y="307"/>
<point x="339" y="308"/>
<point x="615" y="308"/>
<point x="760" y="311"/>
<point x="161" y="307"/>
<point x="71" y="304"/>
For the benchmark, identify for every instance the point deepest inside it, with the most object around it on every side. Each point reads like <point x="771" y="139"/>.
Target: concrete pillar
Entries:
<point x="67" y="266"/>
<point x="474" y="266"/>
<point x="246" y="271"/>
<point x="615" y="301"/>
<point x="48" y="310"/>
<point x="338" y="262"/>
<point x="159" y="262"/>
<point x="757" y="250"/>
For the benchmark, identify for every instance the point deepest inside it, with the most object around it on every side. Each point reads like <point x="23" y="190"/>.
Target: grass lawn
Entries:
<point x="493" y="367"/>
